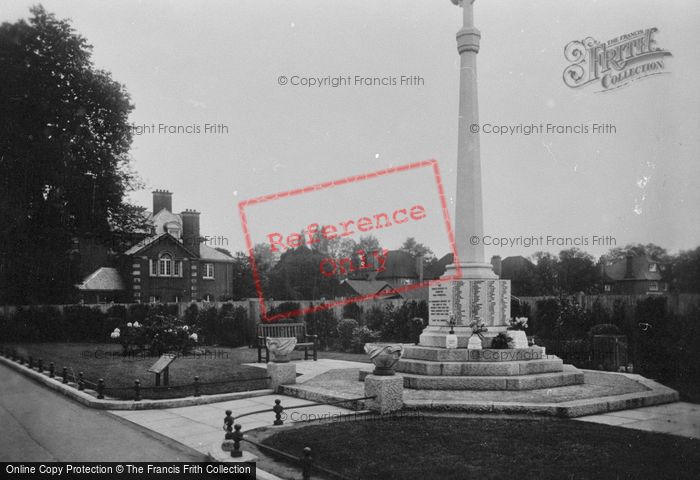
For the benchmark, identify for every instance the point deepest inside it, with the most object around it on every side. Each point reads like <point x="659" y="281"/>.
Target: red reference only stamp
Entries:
<point x="414" y="213"/>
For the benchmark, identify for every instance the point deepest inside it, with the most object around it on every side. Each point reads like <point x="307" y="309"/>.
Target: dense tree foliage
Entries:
<point x="64" y="142"/>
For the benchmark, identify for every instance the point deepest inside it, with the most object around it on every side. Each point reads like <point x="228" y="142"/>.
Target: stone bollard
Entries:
<point x="232" y="444"/>
<point x="137" y="390"/>
<point x="306" y="464"/>
<point x="52" y="369"/>
<point x="281" y="374"/>
<point x="81" y="382"/>
<point x="64" y="374"/>
<point x="31" y="362"/>
<point x="196" y="386"/>
<point x="101" y="389"/>
<point x="388" y="393"/>
<point x="278" y="409"/>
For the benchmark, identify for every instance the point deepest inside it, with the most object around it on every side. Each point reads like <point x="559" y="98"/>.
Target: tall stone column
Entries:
<point x="475" y="294"/>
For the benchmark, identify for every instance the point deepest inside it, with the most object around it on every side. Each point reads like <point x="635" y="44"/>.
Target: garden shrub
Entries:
<point x="362" y="335"/>
<point x="353" y="310"/>
<point x="324" y="324"/>
<point x="604" y="329"/>
<point x="346" y="329"/>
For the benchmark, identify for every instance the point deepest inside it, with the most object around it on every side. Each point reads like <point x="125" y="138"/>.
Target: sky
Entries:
<point x="192" y="64"/>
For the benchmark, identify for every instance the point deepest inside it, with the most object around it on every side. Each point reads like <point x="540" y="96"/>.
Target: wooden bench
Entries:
<point x="277" y="330"/>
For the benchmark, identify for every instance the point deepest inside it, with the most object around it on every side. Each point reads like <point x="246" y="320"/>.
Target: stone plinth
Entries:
<point x="219" y="455"/>
<point x="281" y="374"/>
<point x="388" y="391"/>
<point x="482" y="300"/>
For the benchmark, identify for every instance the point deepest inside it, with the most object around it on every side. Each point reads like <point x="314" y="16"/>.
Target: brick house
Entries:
<point x="634" y="275"/>
<point x="170" y="264"/>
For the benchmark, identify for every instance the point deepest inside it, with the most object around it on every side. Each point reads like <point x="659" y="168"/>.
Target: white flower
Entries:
<point x="194" y="337"/>
<point x="185" y="328"/>
<point x="114" y="334"/>
<point x="129" y="325"/>
<point x="137" y="324"/>
<point x="117" y="330"/>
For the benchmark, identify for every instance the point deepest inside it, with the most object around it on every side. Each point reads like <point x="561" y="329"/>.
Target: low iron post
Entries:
<point x="31" y="362"/>
<point x="278" y="409"/>
<point x="40" y="365"/>
<point x="306" y="464"/>
<point x="196" y="386"/>
<point x="81" y="382"/>
<point x="101" y="388"/>
<point x="64" y="374"/>
<point x="52" y="369"/>
<point x="137" y="390"/>
<point x="237" y="437"/>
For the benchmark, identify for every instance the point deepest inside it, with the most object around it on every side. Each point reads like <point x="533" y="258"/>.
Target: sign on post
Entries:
<point x="163" y="366"/>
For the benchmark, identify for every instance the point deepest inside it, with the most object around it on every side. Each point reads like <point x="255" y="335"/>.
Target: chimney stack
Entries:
<point x="496" y="263"/>
<point x="190" y="230"/>
<point x="629" y="271"/>
<point x="162" y="199"/>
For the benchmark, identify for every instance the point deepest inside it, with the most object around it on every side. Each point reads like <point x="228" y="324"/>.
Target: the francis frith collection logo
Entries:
<point x="615" y="63"/>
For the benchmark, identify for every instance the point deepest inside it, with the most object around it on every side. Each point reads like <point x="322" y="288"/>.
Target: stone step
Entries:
<point x="438" y="354"/>
<point x="427" y="367"/>
<point x="570" y="376"/>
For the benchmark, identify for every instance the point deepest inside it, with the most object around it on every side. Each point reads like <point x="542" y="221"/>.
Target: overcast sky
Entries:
<point x="219" y="62"/>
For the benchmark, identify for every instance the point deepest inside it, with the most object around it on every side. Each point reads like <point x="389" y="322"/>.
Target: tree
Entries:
<point x="297" y="276"/>
<point x="64" y="142"/>
<point x="686" y="272"/>
<point x="417" y="249"/>
<point x="636" y="249"/>
<point x="577" y="271"/>
<point x="547" y="273"/>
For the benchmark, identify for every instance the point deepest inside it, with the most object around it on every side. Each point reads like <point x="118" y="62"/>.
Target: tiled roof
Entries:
<point x="366" y="287"/>
<point x="208" y="253"/>
<point x="104" y="278"/>
<point x="143" y="243"/>
<point x="640" y="269"/>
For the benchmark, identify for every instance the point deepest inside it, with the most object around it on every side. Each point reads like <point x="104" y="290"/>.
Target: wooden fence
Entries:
<point x="677" y="303"/>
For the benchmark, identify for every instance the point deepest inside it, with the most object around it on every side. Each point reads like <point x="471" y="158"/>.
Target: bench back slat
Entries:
<point x="297" y="330"/>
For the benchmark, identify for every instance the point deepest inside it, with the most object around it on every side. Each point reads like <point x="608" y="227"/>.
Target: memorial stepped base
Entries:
<point x="434" y="368"/>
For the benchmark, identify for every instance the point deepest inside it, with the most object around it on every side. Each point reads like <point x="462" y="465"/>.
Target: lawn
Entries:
<point x="456" y="447"/>
<point x="222" y="365"/>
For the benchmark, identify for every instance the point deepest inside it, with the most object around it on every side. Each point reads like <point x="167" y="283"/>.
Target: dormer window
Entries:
<point x="652" y="267"/>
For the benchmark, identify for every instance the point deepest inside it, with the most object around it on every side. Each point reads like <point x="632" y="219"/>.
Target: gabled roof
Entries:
<point x="368" y="287"/>
<point x="102" y="279"/>
<point x="157" y="239"/>
<point x="208" y="253"/>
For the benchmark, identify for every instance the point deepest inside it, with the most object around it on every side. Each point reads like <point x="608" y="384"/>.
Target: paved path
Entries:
<point x="677" y="418"/>
<point x="201" y="426"/>
<point x="39" y="425"/>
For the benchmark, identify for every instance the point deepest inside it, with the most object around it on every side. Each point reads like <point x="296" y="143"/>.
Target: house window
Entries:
<point x="608" y="287"/>
<point x="165" y="265"/>
<point x="208" y="298"/>
<point x="177" y="268"/>
<point x="153" y="267"/>
<point x="652" y="267"/>
<point x="208" y="270"/>
<point x="653" y="286"/>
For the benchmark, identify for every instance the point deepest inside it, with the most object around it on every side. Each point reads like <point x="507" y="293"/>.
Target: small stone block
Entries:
<point x="281" y="374"/>
<point x="388" y="391"/>
<point x="219" y="455"/>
